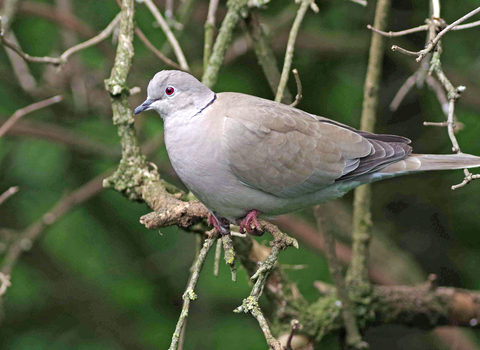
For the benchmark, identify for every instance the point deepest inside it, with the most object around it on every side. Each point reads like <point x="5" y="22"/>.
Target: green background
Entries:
<point x="97" y="279"/>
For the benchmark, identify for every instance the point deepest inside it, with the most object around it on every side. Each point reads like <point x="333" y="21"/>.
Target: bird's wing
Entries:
<point x="287" y="152"/>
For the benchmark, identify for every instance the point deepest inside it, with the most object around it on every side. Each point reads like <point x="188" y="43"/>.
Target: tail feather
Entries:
<point x="427" y="162"/>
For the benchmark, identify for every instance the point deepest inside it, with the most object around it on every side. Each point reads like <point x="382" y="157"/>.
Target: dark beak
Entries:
<point x="144" y="106"/>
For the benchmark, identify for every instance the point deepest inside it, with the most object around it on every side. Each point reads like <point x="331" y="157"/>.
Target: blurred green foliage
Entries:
<point x="97" y="279"/>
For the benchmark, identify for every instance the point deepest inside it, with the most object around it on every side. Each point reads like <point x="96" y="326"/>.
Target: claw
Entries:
<point x="222" y="225"/>
<point x="250" y="224"/>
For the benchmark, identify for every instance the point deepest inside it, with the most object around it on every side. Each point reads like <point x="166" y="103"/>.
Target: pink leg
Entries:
<point x="250" y="224"/>
<point x="222" y="225"/>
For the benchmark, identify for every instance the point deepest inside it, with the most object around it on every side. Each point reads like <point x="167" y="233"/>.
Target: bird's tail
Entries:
<point x="426" y="162"/>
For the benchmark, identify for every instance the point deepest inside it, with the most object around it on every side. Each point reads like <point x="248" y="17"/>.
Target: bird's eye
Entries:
<point x="169" y="90"/>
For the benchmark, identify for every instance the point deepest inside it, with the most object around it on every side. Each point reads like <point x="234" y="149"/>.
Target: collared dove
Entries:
<point x="243" y="156"/>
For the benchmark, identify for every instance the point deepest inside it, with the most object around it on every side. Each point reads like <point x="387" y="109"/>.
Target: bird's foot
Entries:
<point x="250" y="224"/>
<point x="222" y="225"/>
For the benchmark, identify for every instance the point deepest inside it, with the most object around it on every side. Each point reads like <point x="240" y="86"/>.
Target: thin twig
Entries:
<point x="7" y="194"/>
<point x="402" y="92"/>
<point x="4" y="283"/>
<point x="294" y="325"/>
<point x="169" y="34"/>
<point x="229" y="254"/>
<point x="31" y="108"/>
<point x="62" y="207"/>
<point x="209" y="32"/>
<point x="157" y="52"/>
<point x="291" y="46"/>
<point x="422" y="53"/>
<point x="189" y="294"/>
<point x="299" y="96"/>
<point x="265" y="56"/>
<point x="218" y="254"/>
<point x="64" y="57"/>
<point x="467" y="26"/>
<point x="421" y="28"/>
<point x="360" y="2"/>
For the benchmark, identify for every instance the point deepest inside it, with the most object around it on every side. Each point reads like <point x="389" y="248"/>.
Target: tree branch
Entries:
<point x="29" y="109"/>
<point x="362" y="222"/>
<point x="64" y="57"/>
<point x="291" y="46"/>
<point x="168" y="33"/>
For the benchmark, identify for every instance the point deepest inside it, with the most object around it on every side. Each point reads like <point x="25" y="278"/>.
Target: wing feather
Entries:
<point x="287" y="152"/>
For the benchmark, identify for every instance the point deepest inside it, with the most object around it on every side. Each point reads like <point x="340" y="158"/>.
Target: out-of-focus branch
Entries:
<point x="209" y="32"/>
<point x="354" y="339"/>
<point x="305" y="4"/>
<point x="25" y="240"/>
<point x="152" y="48"/>
<point x="64" y="136"/>
<point x="224" y="37"/>
<point x="7" y="194"/>
<point x="8" y="12"/>
<point x="362" y="222"/>
<point x="31" y="108"/>
<point x="266" y="57"/>
<point x="189" y="294"/>
<point x="168" y="33"/>
<point x="64" y="57"/>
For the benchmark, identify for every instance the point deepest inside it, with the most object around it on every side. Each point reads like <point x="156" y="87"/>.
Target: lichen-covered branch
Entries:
<point x="209" y="32"/>
<point x="224" y="37"/>
<point x="357" y="272"/>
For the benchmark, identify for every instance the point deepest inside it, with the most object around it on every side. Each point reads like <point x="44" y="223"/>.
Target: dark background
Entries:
<point x="97" y="279"/>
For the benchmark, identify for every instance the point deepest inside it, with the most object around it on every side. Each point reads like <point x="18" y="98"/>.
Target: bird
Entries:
<point x="243" y="156"/>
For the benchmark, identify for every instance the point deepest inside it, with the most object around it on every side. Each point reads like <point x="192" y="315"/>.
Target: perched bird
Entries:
<point x="243" y="156"/>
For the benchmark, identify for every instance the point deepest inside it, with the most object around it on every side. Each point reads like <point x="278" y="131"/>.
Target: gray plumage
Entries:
<point x="239" y="153"/>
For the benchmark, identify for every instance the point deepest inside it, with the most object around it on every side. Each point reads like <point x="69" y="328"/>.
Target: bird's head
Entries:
<point x="176" y="93"/>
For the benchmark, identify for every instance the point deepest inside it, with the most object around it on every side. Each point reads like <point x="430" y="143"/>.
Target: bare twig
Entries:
<point x="64" y="57"/>
<point x="31" y="233"/>
<point x="402" y="92"/>
<point x="421" y="28"/>
<point x="7" y="194"/>
<point x="422" y="53"/>
<point x="31" y="108"/>
<point x="169" y="34"/>
<point x="4" y="283"/>
<point x="218" y="254"/>
<point x="209" y="32"/>
<point x="294" y="325"/>
<point x="467" y="26"/>
<point x="360" y="2"/>
<point x="189" y="294"/>
<point x="291" y="46"/>
<point x="157" y="52"/>
<point x="299" y="96"/>
<point x="265" y="56"/>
